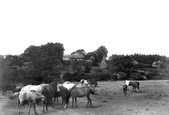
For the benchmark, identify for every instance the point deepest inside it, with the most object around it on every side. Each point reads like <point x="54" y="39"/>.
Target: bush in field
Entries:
<point x="67" y="77"/>
<point x="14" y="75"/>
<point x="103" y="75"/>
<point x="122" y="76"/>
<point x="136" y="76"/>
<point x="72" y="77"/>
<point x="51" y="78"/>
<point x="152" y="74"/>
<point x="87" y="67"/>
<point x="114" y="77"/>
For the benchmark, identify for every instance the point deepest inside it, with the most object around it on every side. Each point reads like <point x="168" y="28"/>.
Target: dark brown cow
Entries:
<point x="135" y="85"/>
<point x="48" y="92"/>
<point x="65" y="95"/>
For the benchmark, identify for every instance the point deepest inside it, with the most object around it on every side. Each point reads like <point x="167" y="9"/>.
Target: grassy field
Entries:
<point x="153" y="99"/>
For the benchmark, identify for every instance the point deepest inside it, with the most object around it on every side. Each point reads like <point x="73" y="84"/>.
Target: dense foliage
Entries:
<point x="136" y="66"/>
<point x="44" y="63"/>
<point x="97" y="55"/>
<point x="36" y="62"/>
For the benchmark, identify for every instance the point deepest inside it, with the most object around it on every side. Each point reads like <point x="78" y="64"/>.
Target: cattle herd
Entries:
<point x="46" y="94"/>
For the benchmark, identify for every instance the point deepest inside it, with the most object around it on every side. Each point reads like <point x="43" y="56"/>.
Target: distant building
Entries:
<point x="75" y="56"/>
<point x="66" y="57"/>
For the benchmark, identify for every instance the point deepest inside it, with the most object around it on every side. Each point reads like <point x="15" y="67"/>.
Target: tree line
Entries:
<point x="45" y="63"/>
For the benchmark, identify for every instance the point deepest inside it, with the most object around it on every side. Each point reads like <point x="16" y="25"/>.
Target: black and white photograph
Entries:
<point x="84" y="57"/>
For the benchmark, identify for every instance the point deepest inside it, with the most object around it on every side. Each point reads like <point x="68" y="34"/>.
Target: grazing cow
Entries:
<point x="55" y="87"/>
<point x="48" y="92"/>
<point x="31" y="97"/>
<point x="135" y="86"/>
<point x="64" y="92"/>
<point x="65" y="95"/>
<point x="81" y="92"/>
<point x="37" y="88"/>
<point x="125" y="89"/>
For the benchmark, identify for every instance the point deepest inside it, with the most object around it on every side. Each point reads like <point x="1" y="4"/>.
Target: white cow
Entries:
<point x="37" y="88"/>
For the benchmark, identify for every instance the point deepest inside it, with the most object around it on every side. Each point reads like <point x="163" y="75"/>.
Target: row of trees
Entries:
<point x="34" y="64"/>
<point x="44" y="63"/>
<point x="136" y="64"/>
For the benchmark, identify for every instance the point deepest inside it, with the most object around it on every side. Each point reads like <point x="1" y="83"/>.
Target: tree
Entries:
<point x="31" y="54"/>
<point x="100" y="53"/>
<point x="13" y="60"/>
<point x="8" y="66"/>
<point x="111" y="62"/>
<point x="103" y="64"/>
<point x="80" y="51"/>
<point x="121" y="64"/>
<point x="89" y="56"/>
<point x="44" y="59"/>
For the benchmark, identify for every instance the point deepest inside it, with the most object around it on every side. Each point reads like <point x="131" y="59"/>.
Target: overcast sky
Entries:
<point x="122" y="26"/>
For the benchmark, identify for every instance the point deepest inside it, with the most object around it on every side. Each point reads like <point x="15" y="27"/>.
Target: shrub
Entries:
<point x="122" y="76"/>
<point x="136" y="76"/>
<point x="114" y="77"/>
<point x="150" y="75"/>
<point x="72" y="77"/>
<point x="87" y="68"/>
<point x="103" y="75"/>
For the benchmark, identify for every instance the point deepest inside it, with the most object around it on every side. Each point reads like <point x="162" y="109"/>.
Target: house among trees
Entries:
<point x="74" y="56"/>
<point x="66" y="57"/>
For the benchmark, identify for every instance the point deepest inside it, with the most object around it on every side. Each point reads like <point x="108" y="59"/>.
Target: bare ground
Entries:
<point x="153" y="99"/>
